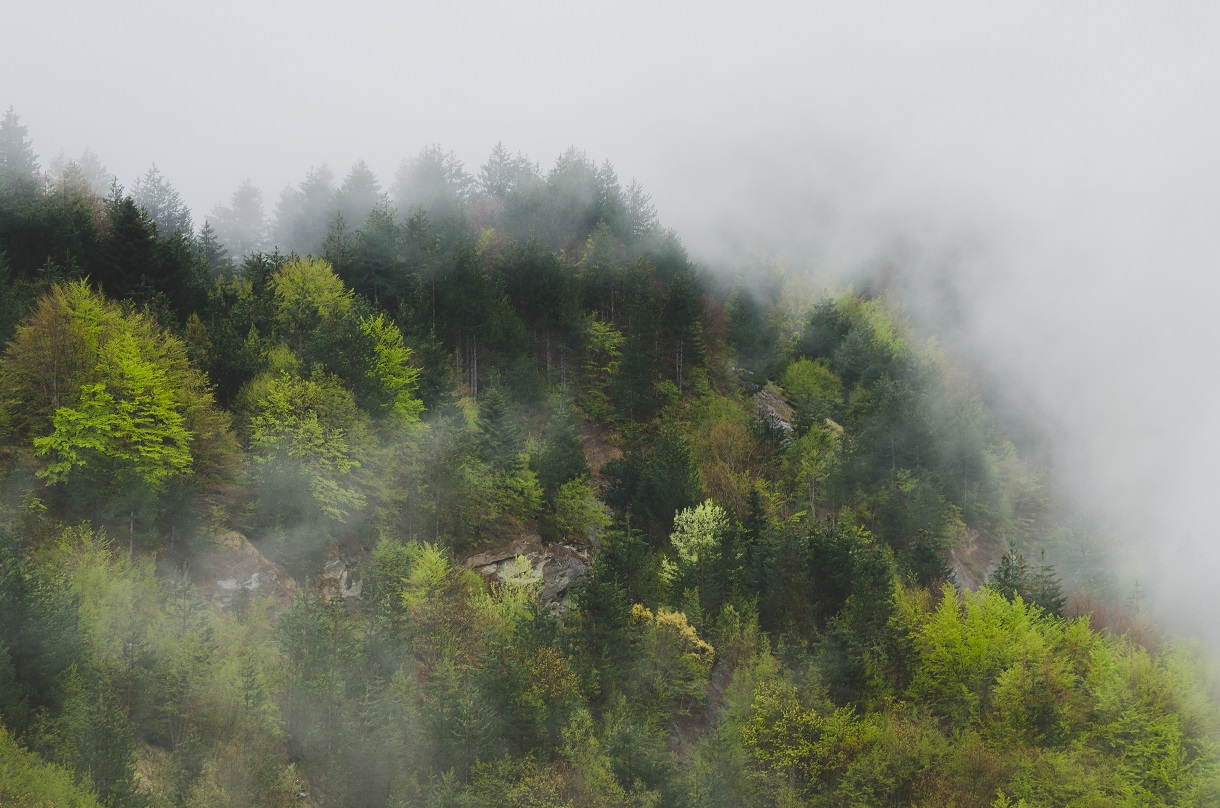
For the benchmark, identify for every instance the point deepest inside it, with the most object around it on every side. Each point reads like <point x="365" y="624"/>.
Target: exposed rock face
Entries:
<point x="771" y="409"/>
<point x="340" y="578"/>
<point x="234" y="564"/>
<point x="557" y="566"/>
<point x="974" y="559"/>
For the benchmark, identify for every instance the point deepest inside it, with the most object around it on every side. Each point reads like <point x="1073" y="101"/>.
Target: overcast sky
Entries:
<point x="1061" y="159"/>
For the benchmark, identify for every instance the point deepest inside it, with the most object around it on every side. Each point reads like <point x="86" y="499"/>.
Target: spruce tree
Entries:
<point x="18" y="163"/>
<point x="500" y="439"/>
<point x="562" y="458"/>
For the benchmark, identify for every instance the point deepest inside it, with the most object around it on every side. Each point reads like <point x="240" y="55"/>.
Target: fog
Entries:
<point x="1050" y="173"/>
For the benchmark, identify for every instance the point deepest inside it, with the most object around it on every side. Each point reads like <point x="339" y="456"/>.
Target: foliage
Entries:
<point x="766" y="486"/>
<point x="26" y="780"/>
<point x="122" y="411"/>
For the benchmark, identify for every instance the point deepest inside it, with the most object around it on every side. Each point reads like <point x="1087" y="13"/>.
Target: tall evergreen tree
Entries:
<point x="359" y="194"/>
<point x="162" y="204"/>
<point x="303" y="214"/>
<point x="503" y="173"/>
<point x="562" y="458"/>
<point x="500" y="438"/>
<point x="18" y="163"/>
<point x="242" y="224"/>
<point x="213" y="257"/>
<point x="434" y="180"/>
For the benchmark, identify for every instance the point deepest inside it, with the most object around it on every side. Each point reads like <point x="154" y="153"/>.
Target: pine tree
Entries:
<point x="129" y="250"/>
<point x="162" y="204"/>
<point x="303" y="214"/>
<point x="18" y="163"/>
<point x="359" y="194"/>
<point x="500" y="439"/>
<point x="1014" y="578"/>
<point x="212" y="255"/>
<point x="435" y="180"/>
<point x="562" y="458"/>
<point x="242" y="225"/>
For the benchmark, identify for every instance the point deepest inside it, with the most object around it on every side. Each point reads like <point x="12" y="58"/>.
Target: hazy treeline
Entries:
<point x="778" y="479"/>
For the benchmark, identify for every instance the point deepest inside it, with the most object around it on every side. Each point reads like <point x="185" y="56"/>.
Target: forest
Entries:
<point x="475" y="490"/>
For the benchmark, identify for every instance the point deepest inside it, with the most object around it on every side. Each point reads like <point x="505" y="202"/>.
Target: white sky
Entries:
<point x="1075" y="147"/>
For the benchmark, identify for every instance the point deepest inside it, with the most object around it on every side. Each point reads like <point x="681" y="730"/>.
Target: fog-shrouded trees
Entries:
<point x="241" y="225"/>
<point x="358" y="195"/>
<point x="162" y="204"/>
<point x="739" y="502"/>
<point x="303" y="214"/>
<point x="434" y="180"/>
<point x="19" y="175"/>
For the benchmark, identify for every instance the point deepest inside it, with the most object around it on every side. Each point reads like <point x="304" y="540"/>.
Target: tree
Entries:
<point x="813" y="390"/>
<point x="500" y="439"/>
<point x="303" y="214"/>
<point x="94" y="172"/>
<point x="599" y="370"/>
<point x="308" y="439"/>
<point x="434" y="180"/>
<point x="162" y="204"/>
<point x="562" y="458"/>
<point x="127" y="424"/>
<point x="389" y="370"/>
<point x="503" y="173"/>
<point x="359" y="193"/>
<point x="18" y="163"/>
<point x="242" y="225"/>
<point x="1014" y="578"/>
<point x="308" y="296"/>
<point x="129" y="250"/>
<point x="641" y="215"/>
<point x="672" y="663"/>
<point x="26" y="779"/>
<point x="699" y="541"/>
<point x="111" y="399"/>
<point x="212" y="255"/>
<point x="375" y="265"/>
<point x="654" y="485"/>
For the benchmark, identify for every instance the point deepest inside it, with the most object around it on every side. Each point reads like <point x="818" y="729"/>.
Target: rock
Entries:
<point x="974" y="558"/>
<point x="556" y="566"/>
<point x="559" y="572"/>
<point x="233" y="564"/>
<point x="340" y="578"/>
<point x="771" y="409"/>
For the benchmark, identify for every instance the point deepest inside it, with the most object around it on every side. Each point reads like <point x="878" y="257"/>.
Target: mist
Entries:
<point x="1048" y="174"/>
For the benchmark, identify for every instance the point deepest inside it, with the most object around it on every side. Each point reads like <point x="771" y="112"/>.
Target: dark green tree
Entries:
<point x="1013" y="577"/>
<point x="562" y="458"/>
<point x="650" y="485"/>
<point x="500" y="438"/>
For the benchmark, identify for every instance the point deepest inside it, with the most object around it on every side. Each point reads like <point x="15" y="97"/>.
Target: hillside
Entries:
<point x="481" y="492"/>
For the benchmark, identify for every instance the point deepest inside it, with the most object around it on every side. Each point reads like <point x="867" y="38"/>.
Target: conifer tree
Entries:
<point x="162" y="204"/>
<point x="500" y="439"/>
<point x="18" y="163"/>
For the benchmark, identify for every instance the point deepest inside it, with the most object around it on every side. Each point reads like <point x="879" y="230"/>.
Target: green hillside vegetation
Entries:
<point x="768" y="479"/>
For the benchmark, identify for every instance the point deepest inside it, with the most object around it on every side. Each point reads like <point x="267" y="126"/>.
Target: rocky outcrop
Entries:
<point x="973" y="559"/>
<point x="340" y="578"/>
<point x="555" y="566"/>
<point x="771" y="409"/>
<point x="233" y="565"/>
